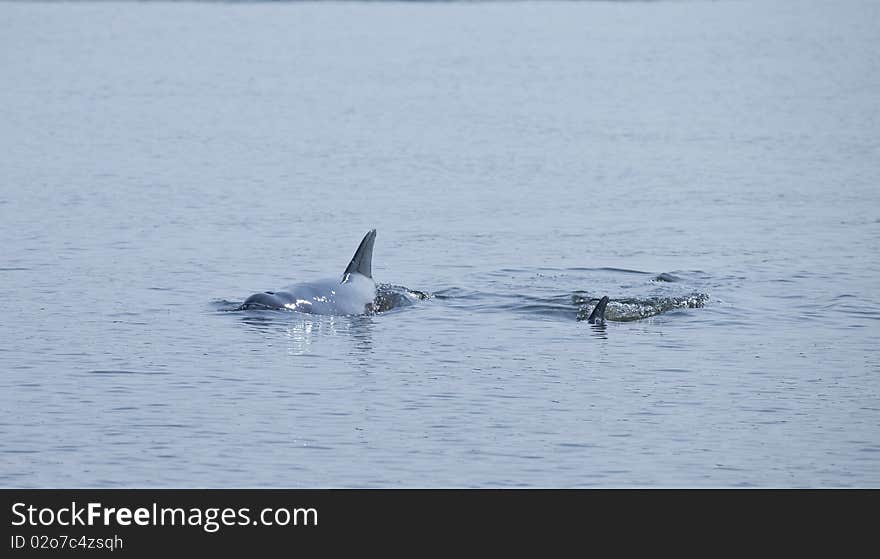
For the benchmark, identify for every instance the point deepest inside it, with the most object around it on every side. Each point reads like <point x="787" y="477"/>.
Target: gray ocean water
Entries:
<point x="713" y="167"/>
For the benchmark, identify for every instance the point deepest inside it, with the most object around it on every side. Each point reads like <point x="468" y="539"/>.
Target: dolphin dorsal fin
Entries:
<point x="598" y="314"/>
<point x="362" y="261"/>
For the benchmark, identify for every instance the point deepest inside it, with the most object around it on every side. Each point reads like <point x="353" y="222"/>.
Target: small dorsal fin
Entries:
<point x="598" y="314"/>
<point x="362" y="261"/>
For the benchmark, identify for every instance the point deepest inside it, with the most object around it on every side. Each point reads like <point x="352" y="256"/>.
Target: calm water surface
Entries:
<point x="714" y="168"/>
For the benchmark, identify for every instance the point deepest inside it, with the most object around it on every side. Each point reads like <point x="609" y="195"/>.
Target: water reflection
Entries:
<point x="300" y="331"/>
<point x="598" y="330"/>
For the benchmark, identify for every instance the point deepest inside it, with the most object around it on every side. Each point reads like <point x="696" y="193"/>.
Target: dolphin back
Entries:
<point x="362" y="261"/>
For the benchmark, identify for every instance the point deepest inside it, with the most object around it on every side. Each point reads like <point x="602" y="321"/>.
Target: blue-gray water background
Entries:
<point x="162" y="161"/>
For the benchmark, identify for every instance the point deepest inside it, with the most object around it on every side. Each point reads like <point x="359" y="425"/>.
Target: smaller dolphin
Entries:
<point x="353" y="294"/>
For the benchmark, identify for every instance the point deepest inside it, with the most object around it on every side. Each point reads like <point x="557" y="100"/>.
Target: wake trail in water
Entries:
<point x="541" y="292"/>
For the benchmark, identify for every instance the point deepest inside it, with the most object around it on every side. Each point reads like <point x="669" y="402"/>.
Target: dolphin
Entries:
<point x="353" y="294"/>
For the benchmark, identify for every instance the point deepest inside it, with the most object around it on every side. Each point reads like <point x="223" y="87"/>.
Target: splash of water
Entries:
<point x="630" y="309"/>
